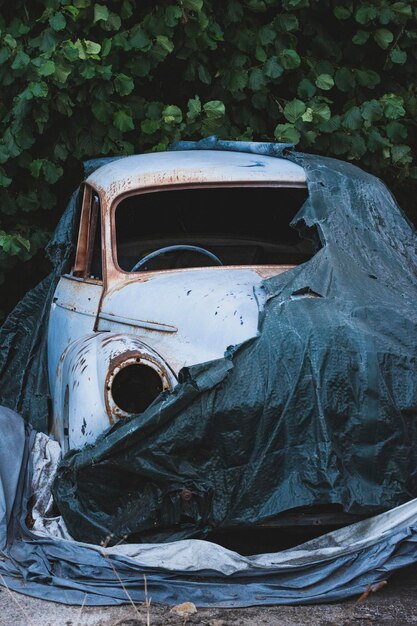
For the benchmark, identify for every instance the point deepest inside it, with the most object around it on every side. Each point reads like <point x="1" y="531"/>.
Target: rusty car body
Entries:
<point x="147" y="296"/>
<point x="230" y="341"/>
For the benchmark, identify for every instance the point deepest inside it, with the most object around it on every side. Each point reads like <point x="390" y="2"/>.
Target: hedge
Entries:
<point x="81" y="79"/>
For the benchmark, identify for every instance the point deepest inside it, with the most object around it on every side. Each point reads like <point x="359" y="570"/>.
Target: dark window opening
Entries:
<point x="96" y="264"/>
<point x="241" y="226"/>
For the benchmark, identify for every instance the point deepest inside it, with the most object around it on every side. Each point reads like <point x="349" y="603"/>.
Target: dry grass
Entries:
<point x="147" y="600"/>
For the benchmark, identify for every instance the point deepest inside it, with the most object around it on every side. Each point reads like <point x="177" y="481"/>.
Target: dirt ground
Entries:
<point x="394" y="605"/>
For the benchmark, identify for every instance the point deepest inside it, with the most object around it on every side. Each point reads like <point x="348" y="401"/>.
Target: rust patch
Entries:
<point x="124" y="359"/>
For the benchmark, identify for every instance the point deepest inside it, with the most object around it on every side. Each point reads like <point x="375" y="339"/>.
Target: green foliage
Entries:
<point x="82" y="79"/>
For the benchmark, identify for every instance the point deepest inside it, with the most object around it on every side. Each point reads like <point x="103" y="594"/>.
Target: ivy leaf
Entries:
<point x="52" y="172"/>
<point x="92" y="47"/>
<point x="35" y="167"/>
<point x="393" y="106"/>
<point x="149" y="127"/>
<point x="113" y="23"/>
<point x="13" y="244"/>
<point x="194" y="108"/>
<point x="235" y="80"/>
<point x="61" y="73"/>
<point x="123" y="84"/>
<point x="361" y="37"/>
<point x="102" y="111"/>
<point x="342" y="13"/>
<point x="324" y="81"/>
<point x="139" y="40"/>
<point x="366" y="14"/>
<point x="331" y="125"/>
<point x="123" y="121"/>
<point x="376" y="142"/>
<point x="101" y="12"/>
<point x="383" y="37"/>
<point x="287" y="22"/>
<point x="172" y="114"/>
<point x="403" y="8"/>
<point x="272" y="68"/>
<point x="204" y="74"/>
<point x="398" y="56"/>
<point x="321" y="112"/>
<point x="266" y="35"/>
<point x="5" y="181"/>
<point x="306" y="89"/>
<point x="294" y="110"/>
<point x="47" y="68"/>
<point x="164" y="43"/>
<point x="72" y="10"/>
<point x="38" y="89"/>
<point x="352" y="119"/>
<point x="20" y="61"/>
<point x="256" y="79"/>
<point x="371" y="111"/>
<point x="172" y="15"/>
<point x="87" y="48"/>
<point x="214" y="109"/>
<point x="357" y="147"/>
<point x="58" y="21"/>
<point x="260" y="54"/>
<point x="10" y="41"/>
<point x="308" y="115"/>
<point x="367" y="78"/>
<point x="345" y="79"/>
<point x="396" y="131"/>
<point x="193" y="5"/>
<point x="287" y="133"/>
<point x="401" y="154"/>
<point x="289" y="59"/>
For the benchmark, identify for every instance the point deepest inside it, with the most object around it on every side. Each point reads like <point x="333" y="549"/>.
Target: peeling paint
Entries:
<point x="164" y="320"/>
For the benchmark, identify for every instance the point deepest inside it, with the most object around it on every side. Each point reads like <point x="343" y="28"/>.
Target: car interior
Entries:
<point x="203" y="227"/>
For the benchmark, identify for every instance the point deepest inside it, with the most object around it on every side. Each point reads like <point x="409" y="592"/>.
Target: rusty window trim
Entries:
<point x="82" y="241"/>
<point x="115" y="272"/>
<point x="86" y="234"/>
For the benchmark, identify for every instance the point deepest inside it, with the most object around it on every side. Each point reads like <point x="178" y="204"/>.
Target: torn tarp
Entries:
<point x="320" y="408"/>
<point x="339" y="565"/>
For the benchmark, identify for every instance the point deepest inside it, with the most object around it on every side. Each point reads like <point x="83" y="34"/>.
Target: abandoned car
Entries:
<point x="167" y="274"/>
<point x="230" y="342"/>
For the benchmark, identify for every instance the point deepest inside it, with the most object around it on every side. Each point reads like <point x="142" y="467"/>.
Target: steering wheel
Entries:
<point x="156" y="253"/>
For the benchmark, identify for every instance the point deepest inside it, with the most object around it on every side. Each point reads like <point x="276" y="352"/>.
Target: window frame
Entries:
<point x="116" y="272"/>
<point x="91" y="206"/>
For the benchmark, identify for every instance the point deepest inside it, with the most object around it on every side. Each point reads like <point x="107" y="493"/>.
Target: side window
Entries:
<point x="88" y="261"/>
<point x="95" y="266"/>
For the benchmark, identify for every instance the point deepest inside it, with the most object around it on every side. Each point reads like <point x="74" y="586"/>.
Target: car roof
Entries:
<point x="158" y="169"/>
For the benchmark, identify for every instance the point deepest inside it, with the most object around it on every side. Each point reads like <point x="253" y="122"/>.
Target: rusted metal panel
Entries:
<point x="82" y="400"/>
<point x="201" y="167"/>
<point x="165" y="319"/>
<point x="73" y="315"/>
<point x="211" y="308"/>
